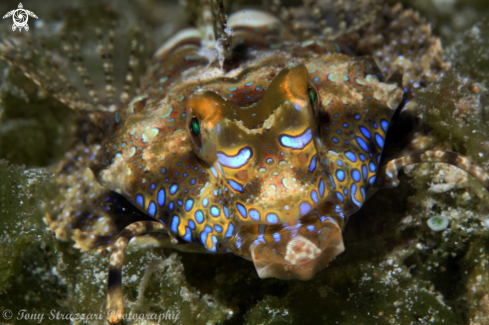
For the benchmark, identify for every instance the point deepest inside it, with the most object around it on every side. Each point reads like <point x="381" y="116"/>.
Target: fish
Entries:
<point x="252" y="135"/>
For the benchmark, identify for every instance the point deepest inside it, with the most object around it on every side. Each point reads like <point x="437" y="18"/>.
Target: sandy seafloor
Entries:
<point x="395" y="270"/>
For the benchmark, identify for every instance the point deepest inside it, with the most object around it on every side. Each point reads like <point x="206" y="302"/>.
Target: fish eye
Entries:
<point x="194" y="126"/>
<point x="313" y="98"/>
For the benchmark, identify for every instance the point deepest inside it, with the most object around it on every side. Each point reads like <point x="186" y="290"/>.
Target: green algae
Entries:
<point x="395" y="270"/>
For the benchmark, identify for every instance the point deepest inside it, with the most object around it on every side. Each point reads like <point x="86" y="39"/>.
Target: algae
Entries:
<point x="395" y="270"/>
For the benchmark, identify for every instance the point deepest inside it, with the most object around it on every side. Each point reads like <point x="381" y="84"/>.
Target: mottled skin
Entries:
<point x="266" y="156"/>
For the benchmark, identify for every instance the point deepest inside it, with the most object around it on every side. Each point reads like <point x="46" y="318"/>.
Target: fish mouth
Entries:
<point x="300" y="257"/>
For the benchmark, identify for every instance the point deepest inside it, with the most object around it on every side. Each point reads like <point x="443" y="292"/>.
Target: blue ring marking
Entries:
<point x="173" y="189"/>
<point x="241" y="210"/>
<point x="191" y="224"/>
<point x="305" y="208"/>
<point x="353" y="192"/>
<point x="140" y="200"/>
<point x="332" y="181"/>
<point x="215" y="211"/>
<point x="276" y="237"/>
<point x="226" y="212"/>
<point x="365" y="132"/>
<point x="385" y="125"/>
<point x="372" y="167"/>
<point x="340" y="175"/>
<point x="339" y="162"/>
<point x="351" y="156"/>
<point x="340" y="197"/>
<point x="249" y="83"/>
<point x="314" y="196"/>
<point x="199" y="216"/>
<point x="254" y="214"/>
<point x="379" y="140"/>
<point x="272" y="218"/>
<point x="321" y="187"/>
<point x="152" y="208"/>
<point x="345" y="191"/>
<point x="362" y="157"/>
<point x="188" y="235"/>
<point x="230" y="231"/>
<point x="218" y="228"/>
<point x="362" y="144"/>
<point x="364" y="172"/>
<point x="355" y="174"/>
<point x="236" y="161"/>
<point x="235" y="185"/>
<point x="203" y="236"/>
<point x="312" y="165"/>
<point x="170" y="205"/>
<point x="189" y="204"/>
<point x="311" y="227"/>
<point x="205" y="202"/>
<point x="297" y="142"/>
<point x="174" y="224"/>
<point x="372" y="180"/>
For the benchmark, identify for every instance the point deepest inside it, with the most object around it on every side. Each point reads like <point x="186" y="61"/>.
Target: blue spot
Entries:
<point x="249" y="83"/>
<point x="215" y="211"/>
<point x="380" y="140"/>
<point x="188" y="235"/>
<point x="365" y="132"/>
<point x="152" y="208"/>
<point x="385" y="125"/>
<point x="340" y="163"/>
<point x="192" y="181"/>
<point x="345" y="125"/>
<point x="362" y="144"/>
<point x="297" y="107"/>
<point x="226" y="212"/>
<point x="353" y="191"/>
<point x="345" y="191"/>
<point x="372" y="168"/>
<point x="173" y="189"/>
<point x="321" y="187"/>
<point x="236" y="161"/>
<point x="272" y="218"/>
<point x="340" y="175"/>
<point x="364" y="172"/>
<point x="189" y="205"/>
<point x="170" y="205"/>
<point x="205" y="202"/>
<point x="314" y="196"/>
<point x="191" y="224"/>
<point x="254" y="214"/>
<point x="276" y="237"/>
<point x="199" y="216"/>
<point x="340" y="197"/>
<point x="218" y="228"/>
<point x="338" y="131"/>
<point x="362" y="157"/>
<point x="153" y="186"/>
<point x="230" y="231"/>
<point x="351" y="156"/>
<point x="174" y="224"/>
<point x="371" y="180"/>
<point x="180" y="203"/>
<point x="312" y="165"/>
<point x="305" y="208"/>
<point x="332" y="181"/>
<point x="204" y="234"/>
<point x="358" y="116"/>
<point x="140" y="200"/>
<point x="355" y="174"/>
<point x="213" y="170"/>
<point x="236" y="186"/>
<point x="311" y="227"/>
<point x="241" y="210"/>
<point x="335" y="140"/>
<point x="298" y="142"/>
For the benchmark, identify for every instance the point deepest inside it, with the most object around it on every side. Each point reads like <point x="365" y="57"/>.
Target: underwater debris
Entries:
<point x="438" y="223"/>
